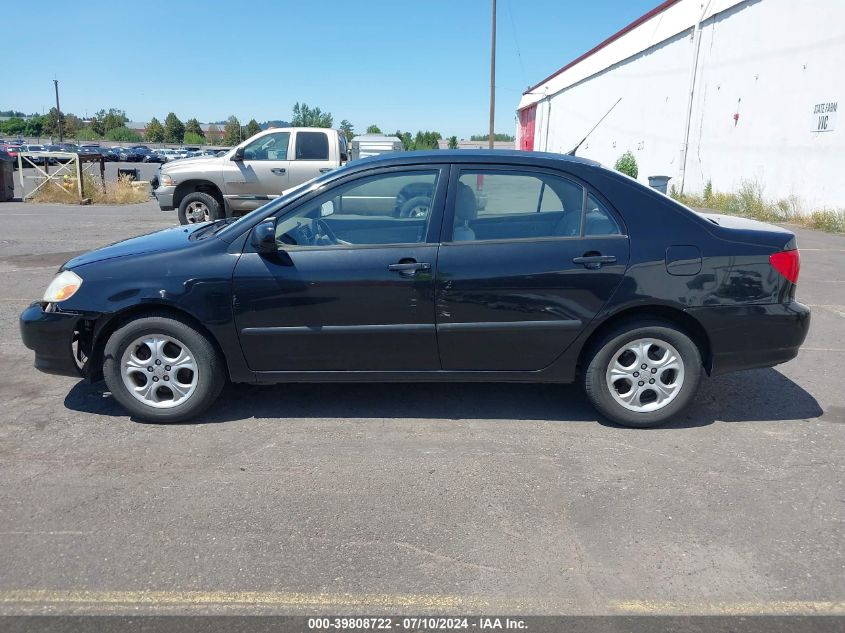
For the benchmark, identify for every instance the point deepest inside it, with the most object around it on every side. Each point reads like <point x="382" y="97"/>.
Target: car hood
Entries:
<point x="166" y="240"/>
<point x="189" y="164"/>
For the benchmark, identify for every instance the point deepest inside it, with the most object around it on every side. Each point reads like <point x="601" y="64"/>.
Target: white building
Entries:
<point x="711" y="90"/>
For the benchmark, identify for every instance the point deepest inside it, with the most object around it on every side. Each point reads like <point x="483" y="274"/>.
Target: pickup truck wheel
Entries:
<point x="199" y="207"/>
<point x="160" y="369"/>
<point x="417" y="207"/>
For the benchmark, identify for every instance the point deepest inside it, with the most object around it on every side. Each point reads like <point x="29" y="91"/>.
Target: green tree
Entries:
<point x="191" y="138"/>
<point x="373" y="129"/>
<point x="155" y="131"/>
<point x="252" y="128"/>
<point x="303" y="116"/>
<point x="14" y="126"/>
<point x="123" y="134"/>
<point x="213" y="135"/>
<point x="406" y="138"/>
<point x="232" y="131"/>
<point x="34" y="125"/>
<point x="427" y="140"/>
<point x="87" y="133"/>
<point x="192" y="126"/>
<point x="627" y="164"/>
<point x="498" y="136"/>
<point x="174" y="129"/>
<point x="105" y="120"/>
<point x="453" y="142"/>
<point x="51" y="124"/>
<point x="348" y="129"/>
<point x="72" y="125"/>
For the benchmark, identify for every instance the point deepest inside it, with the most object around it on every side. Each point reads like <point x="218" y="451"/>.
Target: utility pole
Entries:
<point x="493" y="80"/>
<point x="58" y="110"/>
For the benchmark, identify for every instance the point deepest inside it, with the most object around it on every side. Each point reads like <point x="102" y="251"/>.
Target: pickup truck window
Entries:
<point x="270" y="147"/>
<point x="312" y="146"/>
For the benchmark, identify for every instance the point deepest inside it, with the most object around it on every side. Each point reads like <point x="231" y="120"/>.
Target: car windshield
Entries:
<point x="310" y="184"/>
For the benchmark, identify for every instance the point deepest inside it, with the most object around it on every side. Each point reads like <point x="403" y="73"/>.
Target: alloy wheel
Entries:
<point x="159" y="371"/>
<point x="645" y="375"/>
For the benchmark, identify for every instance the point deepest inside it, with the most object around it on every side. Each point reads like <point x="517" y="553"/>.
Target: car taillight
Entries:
<point x="787" y="263"/>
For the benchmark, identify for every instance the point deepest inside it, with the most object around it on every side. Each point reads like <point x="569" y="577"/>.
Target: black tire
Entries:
<point x="413" y="207"/>
<point x="210" y="378"/>
<point x="606" y="349"/>
<point x="198" y="200"/>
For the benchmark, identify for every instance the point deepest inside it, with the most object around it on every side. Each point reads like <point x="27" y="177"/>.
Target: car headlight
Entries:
<point x="63" y="286"/>
<point x="166" y="180"/>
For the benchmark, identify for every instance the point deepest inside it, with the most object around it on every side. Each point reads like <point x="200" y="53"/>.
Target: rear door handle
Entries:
<point x="408" y="267"/>
<point x="594" y="261"/>
<point x="279" y="170"/>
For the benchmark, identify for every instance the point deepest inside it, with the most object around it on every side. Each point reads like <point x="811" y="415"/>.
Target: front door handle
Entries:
<point x="408" y="268"/>
<point x="279" y="170"/>
<point x="594" y="262"/>
<point x="325" y="170"/>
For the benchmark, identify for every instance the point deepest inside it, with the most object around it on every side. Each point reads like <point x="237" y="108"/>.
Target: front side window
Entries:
<point x="270" y="147"/>
<point x="496" y="205"/>
<point x="312" y="146"/>
<point x="384" y="209"/>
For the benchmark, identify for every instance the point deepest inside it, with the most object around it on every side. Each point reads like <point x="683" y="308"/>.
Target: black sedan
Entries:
<point x="569" y="272"/>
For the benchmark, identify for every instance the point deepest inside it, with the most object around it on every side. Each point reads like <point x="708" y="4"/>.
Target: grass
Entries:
<point x="124" y="191"/>
<point x="749" y="202"/>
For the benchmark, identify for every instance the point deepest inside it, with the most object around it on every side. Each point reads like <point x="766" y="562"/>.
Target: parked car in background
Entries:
<point x="130" y="155"/>
<point x="34" y="159"/>
<point x="111" y="154"/>
<point x="573" y="272"/>
<point x="247" y="176"/>
<point x="149" y="156"/>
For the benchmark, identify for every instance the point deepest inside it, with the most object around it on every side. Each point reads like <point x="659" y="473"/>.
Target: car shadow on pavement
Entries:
<point x="750" y="396"/>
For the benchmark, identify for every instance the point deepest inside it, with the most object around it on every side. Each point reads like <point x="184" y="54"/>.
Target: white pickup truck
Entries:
<point x="250" y="174"/>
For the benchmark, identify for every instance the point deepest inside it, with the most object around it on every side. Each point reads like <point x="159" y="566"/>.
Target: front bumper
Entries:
<point x="752" y="336"/>
<point x="164" y="195"/>
<point x="51" y="335"/>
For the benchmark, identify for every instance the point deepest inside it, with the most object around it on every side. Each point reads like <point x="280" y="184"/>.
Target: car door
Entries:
<point x="262" y="175"/>
<point x="529" y="257"/>
<point x="312" y="155"/>
<point x="348" y="289"/>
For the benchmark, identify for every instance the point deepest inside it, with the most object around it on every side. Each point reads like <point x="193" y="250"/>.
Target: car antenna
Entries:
<point x="575" y="149"/>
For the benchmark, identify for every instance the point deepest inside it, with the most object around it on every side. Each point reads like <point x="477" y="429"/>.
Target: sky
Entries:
<point x="401" y="64"/>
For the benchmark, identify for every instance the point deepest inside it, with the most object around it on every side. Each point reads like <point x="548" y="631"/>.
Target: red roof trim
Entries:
<point x="644" y="18"/>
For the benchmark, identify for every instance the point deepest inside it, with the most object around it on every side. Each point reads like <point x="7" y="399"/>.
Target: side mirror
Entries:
<point x="263" y="238"/>
<point x="239" y="154"/>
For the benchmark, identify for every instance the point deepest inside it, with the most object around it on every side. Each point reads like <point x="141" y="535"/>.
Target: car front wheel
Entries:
<point x="161" y="369"/>
<point x="643" y="373"/>
<point x="199" y="207"/>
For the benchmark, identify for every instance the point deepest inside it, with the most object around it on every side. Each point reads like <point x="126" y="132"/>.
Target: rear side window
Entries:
<point x="312" y="146"/>
<point x="598" y="220"/>
<point x="497" y="205"/>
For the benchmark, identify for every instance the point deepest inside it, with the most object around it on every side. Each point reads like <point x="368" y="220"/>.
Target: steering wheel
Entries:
<point x="315" y="232"/>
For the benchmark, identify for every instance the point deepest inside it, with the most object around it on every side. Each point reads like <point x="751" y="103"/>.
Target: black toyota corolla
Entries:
<point x="437" y="266"/>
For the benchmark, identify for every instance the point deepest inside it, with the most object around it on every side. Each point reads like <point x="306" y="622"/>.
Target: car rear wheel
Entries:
<point x="199" y="207"/>
<point x="161" y="369"/>
<point x="643" y="373"/>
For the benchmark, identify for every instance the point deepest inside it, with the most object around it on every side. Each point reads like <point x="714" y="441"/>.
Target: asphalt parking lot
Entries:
<point x="416" y="498"/>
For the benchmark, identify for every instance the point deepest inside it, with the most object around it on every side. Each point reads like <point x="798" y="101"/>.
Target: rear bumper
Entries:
<point x="751" y="336"/>
<point x="50" y="336"/>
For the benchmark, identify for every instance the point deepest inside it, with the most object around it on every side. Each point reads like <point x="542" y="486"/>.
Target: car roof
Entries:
<point x="492" y="156"/>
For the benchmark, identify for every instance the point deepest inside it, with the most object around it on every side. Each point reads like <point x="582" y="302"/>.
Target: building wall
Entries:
<point x="763" y="65"/>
